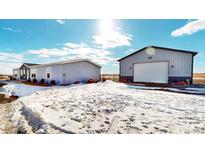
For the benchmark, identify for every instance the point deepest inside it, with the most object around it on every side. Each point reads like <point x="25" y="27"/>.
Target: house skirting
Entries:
<point x="171" y="79"/>
<point x="126" y="79"/>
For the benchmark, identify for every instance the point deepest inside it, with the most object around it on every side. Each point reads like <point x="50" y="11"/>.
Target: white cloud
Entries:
<point x="74" y="50"/>
<point x="10" y="57"/>
<point x="9" y="61"/>
<point x="115" y="65"/>
<point x="75" y="45"/>
<point x="46" y="53"/>
<point x="100" y="56"/>
<point x="113" y="39"/>
<point x="7" y="67"/>
<point x="110" y="35"/>
<point x="129" y="51"/>
<point x="12" y="29"/>
<point x="190" y="28"/>
<point x="60" y="21"/>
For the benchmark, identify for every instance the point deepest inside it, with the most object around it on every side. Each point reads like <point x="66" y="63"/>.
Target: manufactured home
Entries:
<point x="63" y="72"/>
<point x="157" y="64"/>
<point x="23" y="72"/>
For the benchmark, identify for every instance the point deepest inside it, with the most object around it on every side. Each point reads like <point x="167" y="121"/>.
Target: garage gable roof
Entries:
<point x="157" y="47"/>
<point x="66" y="62"/>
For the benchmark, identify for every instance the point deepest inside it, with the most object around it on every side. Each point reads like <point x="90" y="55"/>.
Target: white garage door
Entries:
<point x="151" y="72"/>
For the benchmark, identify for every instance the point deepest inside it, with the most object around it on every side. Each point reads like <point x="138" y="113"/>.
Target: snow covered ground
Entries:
<point x="5" y="118"/>
<point x="109" y="107"/>
<point x="199" y="90"/>
<point x="20" y="90"/>
<point x="186" y="90"/>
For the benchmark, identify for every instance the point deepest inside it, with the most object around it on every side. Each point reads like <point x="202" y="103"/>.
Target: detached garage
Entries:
<point x="158" y="65"/>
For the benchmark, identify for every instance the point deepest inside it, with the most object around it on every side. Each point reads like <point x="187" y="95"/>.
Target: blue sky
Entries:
<point x="104" y="41"/>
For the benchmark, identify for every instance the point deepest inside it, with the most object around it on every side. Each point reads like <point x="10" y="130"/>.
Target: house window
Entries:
<point x="150" y="57"/>
<point x="15" y="75"/>
<point x="33" y="75"/>
<point x="48" y="75"/>
<point x="64" y="75"/>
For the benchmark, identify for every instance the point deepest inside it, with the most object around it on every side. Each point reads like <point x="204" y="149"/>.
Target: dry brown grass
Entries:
<point x="2" y="84"/>
<point x="4" y="100"/>
<point x="199" y="78"/>
<point x="199" y="75"/>
<point x="113" y="77"/>
<point x="4" y="77"/>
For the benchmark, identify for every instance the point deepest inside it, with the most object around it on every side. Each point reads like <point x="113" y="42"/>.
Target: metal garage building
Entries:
<point x="157" y="64"/>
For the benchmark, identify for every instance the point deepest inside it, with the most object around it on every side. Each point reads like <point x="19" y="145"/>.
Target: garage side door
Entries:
<point x="151" y="72"/>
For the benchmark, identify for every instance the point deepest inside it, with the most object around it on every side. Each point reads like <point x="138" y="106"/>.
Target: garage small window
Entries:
<point x="48" y="75"/>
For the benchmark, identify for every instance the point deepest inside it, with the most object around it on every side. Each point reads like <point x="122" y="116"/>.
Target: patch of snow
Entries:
<point x="197" y="89"/>
<point x="111" y="107"/>
<point x="20" y="89"/>
<point x="187" y="90"/>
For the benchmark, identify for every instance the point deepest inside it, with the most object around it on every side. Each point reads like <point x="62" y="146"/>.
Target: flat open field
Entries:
<point x="199" y="78"/>
<point x="4" y="77"/>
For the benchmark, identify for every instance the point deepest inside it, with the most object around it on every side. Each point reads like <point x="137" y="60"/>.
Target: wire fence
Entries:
<point x="113" y="77"/>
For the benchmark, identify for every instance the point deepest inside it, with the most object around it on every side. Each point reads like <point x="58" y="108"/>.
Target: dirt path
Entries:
<point x="6" y="126"/>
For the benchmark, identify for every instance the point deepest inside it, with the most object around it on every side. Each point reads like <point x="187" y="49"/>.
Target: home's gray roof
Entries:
<point x="157" y="47"/>
<point x="66" y="62"/>
<point x="30" y="64"/>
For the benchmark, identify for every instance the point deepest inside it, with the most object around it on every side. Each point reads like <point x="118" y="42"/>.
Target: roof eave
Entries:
<point x="66" y="62"/>
<point x="177" y="50"/>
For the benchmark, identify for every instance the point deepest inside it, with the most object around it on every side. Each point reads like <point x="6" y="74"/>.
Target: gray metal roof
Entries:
<point x="66" y="62"/>
<point x="157" y="47"/>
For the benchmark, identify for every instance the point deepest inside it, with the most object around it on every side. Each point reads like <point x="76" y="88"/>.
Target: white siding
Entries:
<point x="68" y="73"/>
<point x="182" y="62"/>
<point x="80" y="71"/>
<point x="55" y="73"/>
<point x="17" y="72"/>
<point x="33" y="71"/>
<point x="41" y="73"/>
